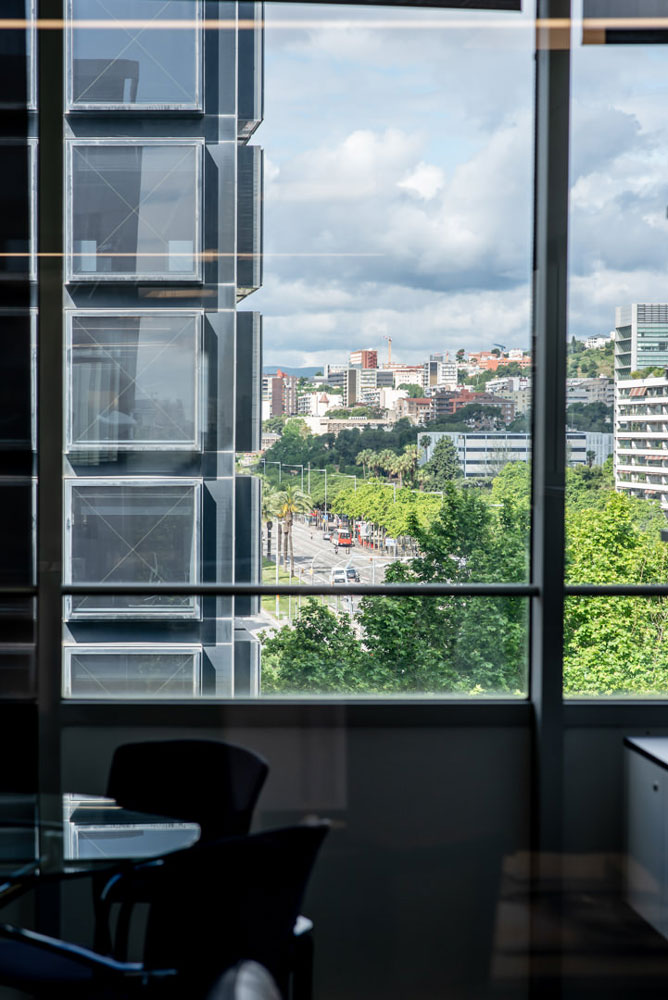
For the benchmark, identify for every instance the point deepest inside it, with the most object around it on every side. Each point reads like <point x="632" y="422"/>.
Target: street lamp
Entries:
<point x="310" y="470"/>
<point x="279" y="468"/>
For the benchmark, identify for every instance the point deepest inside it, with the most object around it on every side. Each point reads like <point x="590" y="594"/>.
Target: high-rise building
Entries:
<point x="279" y="395"/>
<point x="360" y="384"/>
<point x="162" y="372"/>
<point x="641" y="438"/>
<point x="641" y="337"/>
<point x="366" y="358"/>
<point x="437" y="373"/>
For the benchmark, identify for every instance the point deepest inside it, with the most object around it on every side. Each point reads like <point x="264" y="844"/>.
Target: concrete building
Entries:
<point x="641" y="438"/>
<point x="418" y="410"/>
<point x="437" y="373"/>
<point x="316" y="404"/>
<point x="448" y="403"/>
<point x="483" y="454"/>
<point x="366" y="358"/>
<point x="590" y="390"/>
<point x="360" y="384"/>
<point x="279" y="395"/>
<point x="641" y="337"/>
<point x="594" y="342"/>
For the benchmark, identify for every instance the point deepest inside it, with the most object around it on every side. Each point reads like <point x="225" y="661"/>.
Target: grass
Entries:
<point x="285" y="604"/>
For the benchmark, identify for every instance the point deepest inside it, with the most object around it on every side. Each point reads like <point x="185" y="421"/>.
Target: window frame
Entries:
<point x="192" y="613"/>
<point x="134" y="277"/>
<point x="101" y="649"/>
<point x="194" y="444"/>
<point x="72" y="107"/>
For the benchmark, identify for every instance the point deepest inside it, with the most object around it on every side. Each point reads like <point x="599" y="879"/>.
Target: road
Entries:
<point x="315" y="559"/>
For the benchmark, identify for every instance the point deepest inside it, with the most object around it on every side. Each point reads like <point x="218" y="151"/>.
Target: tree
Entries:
<point x="589" y="417"/>
<point x="443" y="466"/>
<point x="460" y="355"/>
<point x="318" y="654"/>
<point x="364" y="458"/>
<point x="414" y="391"/>
<point x="285" y="504"/>
<point x="268" y="505"/>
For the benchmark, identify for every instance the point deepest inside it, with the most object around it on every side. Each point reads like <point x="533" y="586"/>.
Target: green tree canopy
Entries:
<point x="442" y="467"/>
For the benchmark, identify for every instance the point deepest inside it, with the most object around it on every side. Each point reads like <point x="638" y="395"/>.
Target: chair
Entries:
<point x="208" y="782"/>
<point x="211" y="906"/>
<point x="246" y="981"/>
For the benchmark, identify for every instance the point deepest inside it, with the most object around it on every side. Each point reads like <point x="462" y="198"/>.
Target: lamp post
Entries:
<point x="310" y="470"/>
<point x="279" y="468"/>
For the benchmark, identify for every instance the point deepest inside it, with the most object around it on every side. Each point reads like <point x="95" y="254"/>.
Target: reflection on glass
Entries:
<point x="117" y="672"/>
<point x="139" y="57"/>
<point x="132" y="532"/>
<point x="17" y="197"/>
<point x="17" y="54"/>
<point x="134" y="210"/>
<point x="133" y="381"/>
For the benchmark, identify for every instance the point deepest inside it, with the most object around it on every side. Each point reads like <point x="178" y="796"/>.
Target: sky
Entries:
<point x="398" y="182"/>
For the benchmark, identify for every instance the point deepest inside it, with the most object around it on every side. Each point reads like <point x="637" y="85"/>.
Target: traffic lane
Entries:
<point x="312" y="552"/>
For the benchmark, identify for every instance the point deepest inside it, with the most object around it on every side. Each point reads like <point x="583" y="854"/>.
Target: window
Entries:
<point x="145" y="55"/>
<point x="133" y="381"/>
<point x="134" y="210"/>
<point x="132" y="532"/>
<point x="116" y="671"/>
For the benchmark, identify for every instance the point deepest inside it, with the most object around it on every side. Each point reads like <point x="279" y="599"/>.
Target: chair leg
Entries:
<point x="302" y="970"/>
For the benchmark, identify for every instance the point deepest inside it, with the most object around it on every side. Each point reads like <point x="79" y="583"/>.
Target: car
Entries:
<point x="338" y="575"/>
<point x="352" y="576"/>
<point x="327" y="534"/>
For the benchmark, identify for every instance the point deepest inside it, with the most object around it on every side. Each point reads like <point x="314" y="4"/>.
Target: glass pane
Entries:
<point x="109" y="672"/>
<point x="396" y="646"/>
<point x="132" y="533"/>
<point x="133" y="381"/>
<point x="134" y="210"/>
<point x="17" y="245"/>
<point x="142" y="56"/>
<point x="17" y="51"/>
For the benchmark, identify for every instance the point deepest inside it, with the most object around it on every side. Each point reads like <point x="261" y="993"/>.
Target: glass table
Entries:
<point x="61" y="836"/>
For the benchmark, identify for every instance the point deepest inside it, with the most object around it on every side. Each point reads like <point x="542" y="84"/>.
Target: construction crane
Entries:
<point x="389" y="349"/>
<point x="501" y="346"/>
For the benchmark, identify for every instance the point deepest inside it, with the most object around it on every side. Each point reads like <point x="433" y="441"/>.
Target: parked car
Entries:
<point x="338" y="575"/>
<point x="352" y="576"/>
<point x="327" y="534"/>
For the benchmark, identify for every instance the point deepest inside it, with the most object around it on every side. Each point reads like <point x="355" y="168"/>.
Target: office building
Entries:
<point x="162" y="377"/>
<point x="590" y="390"/>
<point x="360" y="385"/>
<point x="483" y="454"/>
<point x="641" y="438"/>
<point x="641" y="337"/>
<point x="279" y="395"/>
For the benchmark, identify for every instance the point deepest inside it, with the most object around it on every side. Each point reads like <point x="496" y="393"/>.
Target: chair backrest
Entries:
<point x="224" y="901"/>
<point x="208" y="782"/>
<point x="246" y="981"/>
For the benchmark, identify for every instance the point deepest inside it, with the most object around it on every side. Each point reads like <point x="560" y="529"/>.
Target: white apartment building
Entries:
<point x="593" y="342"/>
<point x="316" y="404"/>
<point x="508" y="383"/>
<point x="641" y="438"/>
<point x="439" y="374"/>
<point x="482" y="454"/>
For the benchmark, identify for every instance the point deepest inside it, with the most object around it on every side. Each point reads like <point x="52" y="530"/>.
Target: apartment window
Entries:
<point x="146" y="54"/>
<point x="134" y="210"/>
<point x="133" y="381"/>
<point x="132" y="532"/>
<point x="136" y="671"/>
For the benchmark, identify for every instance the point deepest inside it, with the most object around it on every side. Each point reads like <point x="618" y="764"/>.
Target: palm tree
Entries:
<point x="412" y="453"/>
<point x="402" y="466"/>
<point x="286" y="503"/>
<point x="386" y="460"/>
<point x="365" y="458"/>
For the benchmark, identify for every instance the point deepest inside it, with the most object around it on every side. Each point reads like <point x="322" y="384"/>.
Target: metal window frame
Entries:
<point x="193" y="612"/>
<point x="194" y="444"/>
<point x="137" y="649"/>
<point x="71" y="106"/>
<point x="135" y="277"/>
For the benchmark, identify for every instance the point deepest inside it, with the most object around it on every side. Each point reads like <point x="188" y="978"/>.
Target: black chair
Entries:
<point x="211" y="906"/>
<point x="208" y="782"/>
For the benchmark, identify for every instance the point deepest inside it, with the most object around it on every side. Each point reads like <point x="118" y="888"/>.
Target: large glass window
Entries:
<point x="133" y="381"/>
<point x="17" y="55"/>
<point x="134" y="210"/>
<point x="132" y="532"/>
<point x="141" y="54"/>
